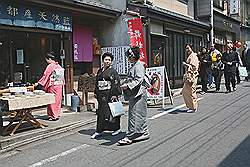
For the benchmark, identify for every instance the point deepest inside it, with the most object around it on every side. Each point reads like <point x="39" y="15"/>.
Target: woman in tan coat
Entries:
<point x="190" y="79"/>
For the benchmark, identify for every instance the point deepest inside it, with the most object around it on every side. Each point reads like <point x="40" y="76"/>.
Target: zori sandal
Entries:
<point x="125" y="141"/>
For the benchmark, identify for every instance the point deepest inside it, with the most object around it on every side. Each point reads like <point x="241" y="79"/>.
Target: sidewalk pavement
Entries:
<point x="68" y="121"/>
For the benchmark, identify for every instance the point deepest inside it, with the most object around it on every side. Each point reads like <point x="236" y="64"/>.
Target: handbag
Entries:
<point x="243" y="71"/>
<point x="116" y="108"/>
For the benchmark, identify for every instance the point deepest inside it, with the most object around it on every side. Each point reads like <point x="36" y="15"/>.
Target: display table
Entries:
<point x="23" y="107"/>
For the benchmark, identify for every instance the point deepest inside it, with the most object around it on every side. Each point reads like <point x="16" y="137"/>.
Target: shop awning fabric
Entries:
<point x="84" y="6"/>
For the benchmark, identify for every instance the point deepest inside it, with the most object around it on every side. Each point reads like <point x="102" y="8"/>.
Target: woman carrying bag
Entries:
<point x="107" y="89"/>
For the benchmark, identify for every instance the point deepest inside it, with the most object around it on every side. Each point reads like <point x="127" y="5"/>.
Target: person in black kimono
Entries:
<point x="107" y="89"/>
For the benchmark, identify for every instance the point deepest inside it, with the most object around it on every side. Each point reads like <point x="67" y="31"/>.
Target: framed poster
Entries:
<point x="19" y="56"/>
<point x="159" y="82"/>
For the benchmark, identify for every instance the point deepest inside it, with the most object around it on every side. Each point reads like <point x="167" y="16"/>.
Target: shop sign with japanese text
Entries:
<point x="137" y="37"/>
<point x="234" y="7"/>
<point x="31" y="16"/>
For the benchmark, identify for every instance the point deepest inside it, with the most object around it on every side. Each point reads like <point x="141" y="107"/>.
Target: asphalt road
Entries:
<point x="218" y="135"/>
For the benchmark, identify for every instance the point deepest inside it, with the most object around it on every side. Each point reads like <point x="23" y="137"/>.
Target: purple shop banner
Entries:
<point x="82" y="44"/>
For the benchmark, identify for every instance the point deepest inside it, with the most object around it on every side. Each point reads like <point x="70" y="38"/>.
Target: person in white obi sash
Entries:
<point x="107" y="89"/>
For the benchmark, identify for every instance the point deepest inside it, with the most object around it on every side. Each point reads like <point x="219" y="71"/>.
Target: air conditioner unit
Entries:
<point x="137" y="1"/>
<point x="149" y="2"/>
<point x="248" y="21"/>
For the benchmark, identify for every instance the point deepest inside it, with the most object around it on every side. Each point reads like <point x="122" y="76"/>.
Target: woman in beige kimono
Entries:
<point x="190" y="80"/>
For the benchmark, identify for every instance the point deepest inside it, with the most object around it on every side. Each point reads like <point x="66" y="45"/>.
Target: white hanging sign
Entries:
<point x="120" y="62"/>
<point x="234" y="7"/>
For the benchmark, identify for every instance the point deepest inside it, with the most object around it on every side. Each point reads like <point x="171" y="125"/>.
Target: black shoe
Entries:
<point x="228" y="91"/>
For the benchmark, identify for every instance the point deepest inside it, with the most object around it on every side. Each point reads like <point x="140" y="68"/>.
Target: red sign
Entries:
<point x="137" y="37"/>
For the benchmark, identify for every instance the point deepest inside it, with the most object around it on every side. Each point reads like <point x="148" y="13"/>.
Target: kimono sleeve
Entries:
<point x="139" y="73"/>
<point x="115" y="83"/>
<point x="194" y="62"/>
<point x="46" y="76"/>
<point x="96" y="82"/>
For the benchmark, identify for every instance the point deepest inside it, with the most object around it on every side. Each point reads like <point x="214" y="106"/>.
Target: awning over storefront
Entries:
<point x="83" y="6"/>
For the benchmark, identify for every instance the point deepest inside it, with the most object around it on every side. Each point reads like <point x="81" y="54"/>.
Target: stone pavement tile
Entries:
<point x="67" y="122"/>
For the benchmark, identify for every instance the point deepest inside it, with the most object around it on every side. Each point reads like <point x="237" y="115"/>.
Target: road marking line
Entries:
<point x="51" y="159"/>
<point x="170" y="110"/>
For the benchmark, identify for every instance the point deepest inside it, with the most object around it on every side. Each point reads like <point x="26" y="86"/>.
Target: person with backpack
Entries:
<point x="216" y="67"/>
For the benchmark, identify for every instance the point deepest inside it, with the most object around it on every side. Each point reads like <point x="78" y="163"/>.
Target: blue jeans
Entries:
<point x="209" y="77"/>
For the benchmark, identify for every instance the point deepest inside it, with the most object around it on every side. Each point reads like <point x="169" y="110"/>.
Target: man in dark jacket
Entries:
<point x="246" y="58"/>
<point x="205" y="64"/>
<point x="230" y="58"/>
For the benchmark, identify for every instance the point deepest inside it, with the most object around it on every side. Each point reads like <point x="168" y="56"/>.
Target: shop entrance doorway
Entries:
<point x="22" y="54"/>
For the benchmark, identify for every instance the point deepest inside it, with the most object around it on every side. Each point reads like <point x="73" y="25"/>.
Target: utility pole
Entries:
<point x="212" y="23"/>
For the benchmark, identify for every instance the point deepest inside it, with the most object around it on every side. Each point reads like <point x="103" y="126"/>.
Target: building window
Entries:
<point x="219" y="4"/>
<point x="183" y="1"/>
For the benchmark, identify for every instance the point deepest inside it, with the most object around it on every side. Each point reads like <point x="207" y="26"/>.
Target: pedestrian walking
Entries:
<point x="205" y="64"/>
<point x="216" y="67"/>
<point x="230" y="59"/>
<point x="52" y="81"/>
<point x="107" y="89"/>
<point x="214" y="53"/>
<point x="238" y="64"/>
<point x="135" y="89"/>
<point x="190" y="79"/>
<point x="246" y="59"/>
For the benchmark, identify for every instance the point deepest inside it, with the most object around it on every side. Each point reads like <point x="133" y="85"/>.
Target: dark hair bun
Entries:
<point x="133" y="52"/>
<point x="50" y="55"/>
<point x="107" y="54"/>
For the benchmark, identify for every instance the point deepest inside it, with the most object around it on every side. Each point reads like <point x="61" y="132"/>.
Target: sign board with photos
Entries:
<point x="159" y="82"/>
<point x="120" y="62"/>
